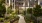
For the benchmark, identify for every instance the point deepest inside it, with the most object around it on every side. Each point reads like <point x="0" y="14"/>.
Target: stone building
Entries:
<point x="23" y="3"/>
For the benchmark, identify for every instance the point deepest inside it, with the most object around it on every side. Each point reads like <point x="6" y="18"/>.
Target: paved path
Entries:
<point x="21" y="19"/>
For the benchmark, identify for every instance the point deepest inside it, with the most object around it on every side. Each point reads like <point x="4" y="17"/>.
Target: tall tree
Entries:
<point x="29" y="10"/>
<point x="2" y="8"/>
<point x="36" y="11"/>
<point x="2" y="1"/>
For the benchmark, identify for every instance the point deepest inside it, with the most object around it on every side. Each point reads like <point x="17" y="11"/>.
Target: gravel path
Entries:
<point x="21" y="19"/>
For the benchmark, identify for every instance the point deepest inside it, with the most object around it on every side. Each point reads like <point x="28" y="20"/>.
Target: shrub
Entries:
<point x="6" y="21"/>
<point x="1" y="19"/>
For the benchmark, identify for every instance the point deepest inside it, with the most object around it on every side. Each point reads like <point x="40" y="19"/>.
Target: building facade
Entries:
<point x="32" y="2"/>
<point x="23" y="3"/>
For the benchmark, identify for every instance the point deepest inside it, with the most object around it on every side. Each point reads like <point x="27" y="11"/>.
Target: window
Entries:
<point x="19" y="0"/>
<point x="7" y="1"/>
<point x="35" y="0"/>
<point x="20" y="3"/>
<point x="40" y="3"/>
<point x="30" y="0"/>
<point x="12" y="0"/>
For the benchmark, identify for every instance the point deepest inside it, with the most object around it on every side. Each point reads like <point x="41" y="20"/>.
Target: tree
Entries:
<point x="2" y="10"/>
<point x="9" y="10"/>
<point x="37" y="12"/>
<point x="29" y="10"/>
<point x="2" y="1"/>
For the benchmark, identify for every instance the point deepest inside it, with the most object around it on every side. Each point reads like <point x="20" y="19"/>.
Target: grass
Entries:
<point x="6" y="21"/>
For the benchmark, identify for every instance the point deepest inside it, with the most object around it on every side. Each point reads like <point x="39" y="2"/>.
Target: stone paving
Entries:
<point x="21" y="19"/>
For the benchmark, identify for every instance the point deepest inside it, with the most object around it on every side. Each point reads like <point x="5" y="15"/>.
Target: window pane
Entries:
<point x="7" y="1"/>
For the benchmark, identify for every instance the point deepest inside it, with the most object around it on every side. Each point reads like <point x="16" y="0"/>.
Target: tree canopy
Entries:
<point x="2" y="1"/>
<point x="37" y="11"/>
<point x="29" y="10"/>
<point x="2" y="8"/>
